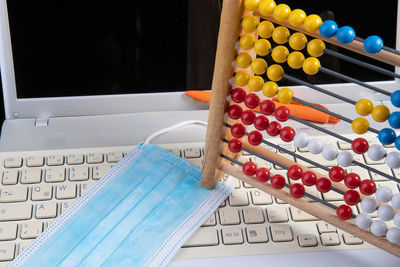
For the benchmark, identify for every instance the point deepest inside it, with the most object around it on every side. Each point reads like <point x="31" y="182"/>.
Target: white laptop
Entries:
<point x="84" y="83"/>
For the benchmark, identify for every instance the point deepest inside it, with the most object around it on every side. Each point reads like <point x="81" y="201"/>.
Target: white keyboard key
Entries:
<point x="232" y="235"/>
<point x="324" y="227"/>
<point x="175" y="151"/>
<point x="288" y="146"/>
<point x="13" y="162"/>
<point x="351" y="239"/>
<point x="79" y="173"/>
<point x="45" y="210"/>
<point x="229" y="216"/>
<point x="65" y="191"/>
<point x="196" y="162"/>
<point x="190" y="153"/>
<point x="35" y="161"/>
<point x="307" y="240"/>
<point x="65" y="205"/>
<point x="31" y="229"/>
<point x="316" y="158"/>
<point x="238" y="198"/>
<point x="8" y="231"/>
<point x="330" y="239"/>
<point x="383" y="168"/>
<point x="211" y="221"/>
<point x="235" y="182"/>
<point x="13" y="194"/>
<point x="42" y="192"/>
<point x="204" y="236"/>
<point x="363" y="173"/>
<point x="253" y="215"/>
<point x="277" y="214"/>
<point x="299" y="216"/>
<point x="332" y="196"/>
<point x="23" y="244"/>
<point x="15" y="211"/>
<point x="100" y="170"/>
<point x="55" y="174"/>
<point x="93" y="158"/>
<point x="86" y="186"/>
<point x="114" y="157"/>
<point x="75" y="159"/>
<point x="55" y="160"/>
<point x="256" y="234"/>
<point x="10" y="177"/>
<point x="246" y="185"/>
<point x="281" y="233"/>
<point x="7" y="251"/>
<point x="31" y="176"/>
<point x="344" y="145"/>
<point x="371" y="162"/>
<point x="260" y="197"/>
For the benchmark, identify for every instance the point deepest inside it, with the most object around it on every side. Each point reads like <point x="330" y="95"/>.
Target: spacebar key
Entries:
<point x="15" y="211"/>
<point x="204" y="236"/>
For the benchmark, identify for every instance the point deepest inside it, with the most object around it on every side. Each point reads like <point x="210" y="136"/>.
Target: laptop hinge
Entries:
<point x="41" y="122"/>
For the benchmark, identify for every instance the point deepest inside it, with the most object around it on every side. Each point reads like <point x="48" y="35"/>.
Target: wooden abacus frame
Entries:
<point x="214" y="165"/>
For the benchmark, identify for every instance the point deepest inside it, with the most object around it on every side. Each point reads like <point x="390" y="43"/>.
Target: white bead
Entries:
<point x="396" y="219"/>
<point x="315" y="146"/>
<point x="393" y="235"/>
<point x="363" y="220"/>
<point x="330" y="151"/>
<point x="385" y="213"/>
<point x="393" y="160"/>
<point x="376" y="152"/>
<point x="378" y="228"/>
<point x="368" y="205"/>
<point x="384" y="194"/>
<point x="396" y="201"/>
<point x="301" y="140"/>
<point x="345" y="158"/>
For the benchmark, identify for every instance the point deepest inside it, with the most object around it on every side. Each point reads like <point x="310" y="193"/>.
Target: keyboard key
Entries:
<point x="277" y="214"/>
<point x="344" y="145"/>
<point x="13" y="162"/>
<point x="23" y="244"/>
<point x="281" y="233"/>
<point x="31" y="176"/>
<point x="332" y="196"/>
<point x="246" y="185"/>
<point x="299" y="216"/>
<point x="235" y="182"/>
<point x="10" y="177"/>
<point x="8" y="231"/>
<point x="377" y="177"/>
<point x="238" y="198"/>
<point x="7" y="251"/>
<point x="316" y="158"/>
<point x="307" y="240"/>
<point x="229" y="216"/>
<point x="253" y="215"/>
<point x="363" y="173"/>
<point x="13" y="194"/>
<point x="75" y="159"/>
<point x="330" y="239"/>
<point x="351" y="239"/>
<point x="232" y="235"/>
<point x="260" y="198"/>
<point x="371" y="162"/>
<point x="196" y="162"/>
<point x="93" y="158"/>
<point x="42" y="192"/>
<point x="191" y="153"/>
<point x="79" y="173"/>
<point x="256" y="234"/>
<point x="175" y="151"/>
<point x="45" y="210"/>
<point x="15" y="211"/>
<point x="55" y="175"/>
<point x="65" y="191"/>
<point x="100" y="170"/>
<point x="31" y="229"/>
<point x="55" y="160"/>
<point x="114" y="157"/>
<point x="204" y="236"/>
<point x="35" y="161"/>
<point x="324" y="227"/>
<point x="211" y="221"/>
<point x="86" y="186"/>
<point x="65" y="205"/>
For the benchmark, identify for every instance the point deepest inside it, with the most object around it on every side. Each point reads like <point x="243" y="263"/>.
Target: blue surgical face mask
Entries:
<point x="138" y="214"/>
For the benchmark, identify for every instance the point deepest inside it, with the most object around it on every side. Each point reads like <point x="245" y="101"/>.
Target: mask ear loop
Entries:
<point x="172" y="128"/>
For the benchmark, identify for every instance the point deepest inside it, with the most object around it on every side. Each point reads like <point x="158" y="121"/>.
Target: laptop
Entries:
<point x="86" y="81"/>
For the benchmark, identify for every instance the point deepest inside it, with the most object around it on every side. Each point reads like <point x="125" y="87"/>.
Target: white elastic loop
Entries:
<point x="173" y="127"/>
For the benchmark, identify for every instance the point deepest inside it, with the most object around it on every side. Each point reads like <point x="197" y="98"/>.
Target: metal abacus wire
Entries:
<point x="259" y="21"/>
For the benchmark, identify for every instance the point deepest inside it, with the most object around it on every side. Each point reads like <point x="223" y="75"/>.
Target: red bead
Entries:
<point x="297" y="190"/>
<point x="282" y="113"/>
<point x="323" y="185"/>
<point x="287" y="134"/>
<point x="261" y="122"/>
<point x="278" y="181"/>
<point x="352" y="180"/>
<point x="248" y="117"/>
<point x="238" y="95"/>
<point x="274" y="128"/>
<point x="360" y="145"/>
<point x="249" y="168"/>
<point x="336" y="173"/>
<point x="263" y="174"/>
<point x="235" y="145"/>
<point x="351" y="197"/>
<point x="267" y="107"/>
<point x="238" y="130"/>
<point x="367" y="187"/>
<point x="255" y="138"/>
<point x="251" y="100"/>
<point x="294" y="172"/>
<point x="309" y="178"/>
<point x="234" y="112"/>
<point x="344" y="212"/>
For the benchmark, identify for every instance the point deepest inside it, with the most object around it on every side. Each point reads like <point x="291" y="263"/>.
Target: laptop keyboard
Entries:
<point x="36" y="187"/>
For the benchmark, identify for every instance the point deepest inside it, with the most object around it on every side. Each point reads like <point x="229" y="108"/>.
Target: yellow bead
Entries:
<point x="280" y="53"/>
<point x="297" y="17"/>
<point x="243" y="60"/>
<point x="311" y="65"/>
<point x="258" y="66"/>
<point x="360" y="125"/>
<point x="285" y="95"/>
<point x="380" y="113"/>
<point x="270" y="89"/>
<point x="247" y="41"/>
<point x="251" y="4"/>
<point x="297" y="41"/>
<point x="281" y="12"/>
<point x="295" y="60"/>
<point x="249" y="23"/>
<point x="262" y="47"/>
<point x="364" y="107"/>
<point x="312" y="23"/>
<point x="242" y="78"/>
<point x="275" y="72"/>
<point x="265" y="29"/>
<point x="280" y="35"/>
<point x="256" y="83"/>
<point x="266" y="7"/>
<point x="316" y="48"/>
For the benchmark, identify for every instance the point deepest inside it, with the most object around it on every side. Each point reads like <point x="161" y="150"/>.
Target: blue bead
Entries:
<point x="373" y="44"/>
<point x="395" y="98"/>
<point x="345" y="35"/>
<point x="397" y="142"/>
<point x="328" y="28"/>
<point x="394" y="120"/>
<point x="386" y="136"/>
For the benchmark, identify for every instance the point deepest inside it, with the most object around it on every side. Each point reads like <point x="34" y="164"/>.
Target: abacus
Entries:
<point x="244" y="41"/>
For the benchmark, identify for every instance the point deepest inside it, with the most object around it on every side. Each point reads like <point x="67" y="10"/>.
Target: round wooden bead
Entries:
<point x="316" y="48"/>
<point x="255" y="83"/>
<point x="344" y="158"/>
<point x="394" y="120"/>
<point x="261" y="122"/>
<point x="351" y="197"/>
<point x="280" y="53"/>
<point x="282" y="113"/>
<point x="251" y="100"/>
<point x="315" y="146"/>
<point x="378" y="228"/>
<point x="396" y="200"/>
<point x="258" y="66"/>
<point x="311" y="65"/>
<point x="255" y="138"/>
<point x="360" y="125"/>
<point x="285" y="95"/>
<point x="275" y="72"/>
<point x="297" y="17"/>
<point x="367" y="187"/>
<point x="309" y="178"/>
<point x="387" y="136"/>
<point x="393" y="160"/>
<point x="274" y="128"/>
<point x="265" y="29"/>
<point x="234" y="112"/>
<point x="385" y="213"/>
<point x="395" y="99"/>
<point x="369" y="205"/>
<point x="301" y="140"/>
<point x="344" y="212"/>
<point x="376" y="152"/>
<point x="263" y="174"/>
<point x="323" y="185"/>
<point x="364" y="107"/>
<point x="251" y="4"/>
<point x="238" y="130"/>
<point x="262" y="47"/>
<point x="295" y="60"/>
<point x="266" y="7"/>
<point x="393" y="235"/>
<point x="337" y="174"/>
<point x="328" y="28"/>
<point x="373" y="44"/>
<point x="270" y="89"/>
<point x="380" y="113"/>
<point x="242" y="78"/>
<point x="243" y="60"/>
<point x="235" y="145"/>
<point x="312" y="23"/>
<point x="345" y="35"/>
<point x="281" y="12"/>
<point x="280" y="35"/>
<point x="249" y="23"/>
<point x="363" y="221"/>
<point x="267" y="107"/>
<point x="297" y="190"/>
<point x="287" y="134"/>
<point x="248" y="117"/>
<point x="249" y="168"/>
<point x="278" y="181"/>
<point x="295" y="172"/>
<point x="297" y="41"/>
<point x="352" y="180"/>
<point x="329" y="152"/>
<point x="359" y="145"/>
<point x="396" y="219"/>
<point x="238" y="95"/>
<point x="247" y="41"/>
<point x="383" y="194"/>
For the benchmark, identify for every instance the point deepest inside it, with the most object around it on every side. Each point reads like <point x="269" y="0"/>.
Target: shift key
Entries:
<point x="15" y="211"/>
<point x="204" y="236"/>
